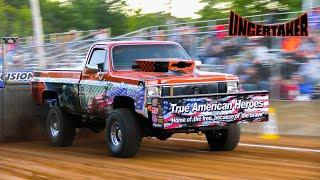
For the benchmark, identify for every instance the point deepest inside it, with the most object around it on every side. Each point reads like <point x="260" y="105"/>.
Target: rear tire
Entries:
<point x="60" y="128"/>
<point x="123" y="133"/>
<point x="224" y="139"/>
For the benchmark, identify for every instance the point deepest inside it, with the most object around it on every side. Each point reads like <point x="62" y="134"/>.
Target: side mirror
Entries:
<point x="100" y="66"/>
<point x="91" y="69"/>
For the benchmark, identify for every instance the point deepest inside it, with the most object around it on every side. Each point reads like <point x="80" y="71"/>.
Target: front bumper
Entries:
<point x="209" y="110"/>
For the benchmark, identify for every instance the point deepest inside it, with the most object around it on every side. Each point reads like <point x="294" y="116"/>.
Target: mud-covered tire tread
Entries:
<point x="131" y="133"/>
<point x="67" y="131"/>
<point x="227" y="142"/>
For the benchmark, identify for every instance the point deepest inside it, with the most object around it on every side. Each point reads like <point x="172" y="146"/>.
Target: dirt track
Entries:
<point x="173" y="159"/>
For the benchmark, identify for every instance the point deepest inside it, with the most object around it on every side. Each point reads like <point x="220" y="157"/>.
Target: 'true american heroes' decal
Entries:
<point x="239" y="26"/>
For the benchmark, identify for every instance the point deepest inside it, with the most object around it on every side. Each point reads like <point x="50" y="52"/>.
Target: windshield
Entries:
<point x="125" y="55"/>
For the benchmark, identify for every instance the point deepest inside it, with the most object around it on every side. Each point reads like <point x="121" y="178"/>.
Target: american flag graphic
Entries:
<point x="136" y="93"/>
<point x="195" y="119"/>
<point x="110" y="91"/>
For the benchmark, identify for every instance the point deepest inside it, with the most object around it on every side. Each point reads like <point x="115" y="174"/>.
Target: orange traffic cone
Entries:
<point x="270" y="128"/>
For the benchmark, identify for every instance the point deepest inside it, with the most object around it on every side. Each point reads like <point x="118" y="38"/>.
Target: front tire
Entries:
<point x="123" y="133"/>
<point x="60" y="128"/>
<point x="224" y="139"/>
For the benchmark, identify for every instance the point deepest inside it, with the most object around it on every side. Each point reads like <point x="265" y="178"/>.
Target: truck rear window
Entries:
<point x="125" y="55"/>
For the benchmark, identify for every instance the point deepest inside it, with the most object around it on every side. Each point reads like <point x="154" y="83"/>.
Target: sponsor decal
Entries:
<point x="239" y="26"/>
<point x="23" y="76"/>
<point x="212" y="111"/>
<point x="1" y="84"/>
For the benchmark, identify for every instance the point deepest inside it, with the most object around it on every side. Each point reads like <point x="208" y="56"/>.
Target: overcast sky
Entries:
<point x="178" y="8"/>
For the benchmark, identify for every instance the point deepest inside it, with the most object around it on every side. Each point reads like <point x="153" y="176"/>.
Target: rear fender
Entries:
<point x="49" y="97"/>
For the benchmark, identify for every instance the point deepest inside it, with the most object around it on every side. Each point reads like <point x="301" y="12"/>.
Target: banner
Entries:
<point x="216" y="110"/>
<point x="1" y="84"/>
<point x="17" y="77"/>
<point x="239" y="26"/>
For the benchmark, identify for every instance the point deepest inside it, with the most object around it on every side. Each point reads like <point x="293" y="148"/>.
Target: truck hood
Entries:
<point x="171" y="77"/>
<point x="168" y="71"/>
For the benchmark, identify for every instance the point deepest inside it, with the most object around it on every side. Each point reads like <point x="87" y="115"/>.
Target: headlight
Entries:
<point x="154" y="91"/>
<point x="232" y="86"/>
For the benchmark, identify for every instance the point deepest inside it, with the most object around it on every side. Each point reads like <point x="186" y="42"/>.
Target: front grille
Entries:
<point x="191" y="89"/>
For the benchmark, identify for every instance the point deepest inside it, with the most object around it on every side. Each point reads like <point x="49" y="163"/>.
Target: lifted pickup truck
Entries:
<point x="136" y="89"/>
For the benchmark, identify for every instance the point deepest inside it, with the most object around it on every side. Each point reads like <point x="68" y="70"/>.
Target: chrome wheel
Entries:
<point x="54" y="127"/>
<point x="116" y="134"/>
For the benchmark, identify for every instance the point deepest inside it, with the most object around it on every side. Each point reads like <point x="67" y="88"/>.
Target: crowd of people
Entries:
<point x="292" y="71"/>
<point x="288" y="67"/>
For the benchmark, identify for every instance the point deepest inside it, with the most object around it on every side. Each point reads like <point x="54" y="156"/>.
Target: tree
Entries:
<point x="15" y="20"/>
<point x="212" y="10"/>
<point x="17" y="3"/>
<point x="139" y="21"/>
<point x="83" y="15"/>
<point x="55" y="17"/>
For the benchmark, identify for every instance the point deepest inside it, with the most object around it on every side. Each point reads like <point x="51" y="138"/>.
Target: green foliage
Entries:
<point x="139" y="21"/>
<point x="14" y="21"/>
<point x="82" y="15"/>
<point x="221" y="8"/>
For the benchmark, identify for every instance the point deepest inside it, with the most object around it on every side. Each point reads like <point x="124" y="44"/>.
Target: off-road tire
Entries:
<point x="224" y="139"/>
<point x="65" y="128"/>
<point x="124" y="120"/>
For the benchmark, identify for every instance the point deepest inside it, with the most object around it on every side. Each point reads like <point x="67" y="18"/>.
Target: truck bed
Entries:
<point x="53" y="77"/>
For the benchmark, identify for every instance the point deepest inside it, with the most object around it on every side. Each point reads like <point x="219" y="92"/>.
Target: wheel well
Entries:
<point x="123" y="102"/>
<point x="49" y="95"/>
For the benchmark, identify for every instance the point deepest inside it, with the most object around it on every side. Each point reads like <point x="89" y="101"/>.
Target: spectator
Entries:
<point x="291" y="44"/>
<point x="102" y="35"/>
<point x="189" y="40"/>
<point x="288" y="67"/>
<point x="250" y="79"/>
<point x="289" y="89"/>
<point x="305" y="88"/>
<point x="311" y="70"/>
<point x="231" y="66"/>
<point x="1" y="60"/>
<point x="213" y="51"/>
<point x="160" y="36"/>
<point x="221" y="32"/>
<point x="264" y="74"/>
<point x="316" y="92"/>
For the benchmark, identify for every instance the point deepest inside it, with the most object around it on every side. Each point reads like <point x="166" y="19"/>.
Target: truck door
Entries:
<point x="92" y="87"/>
